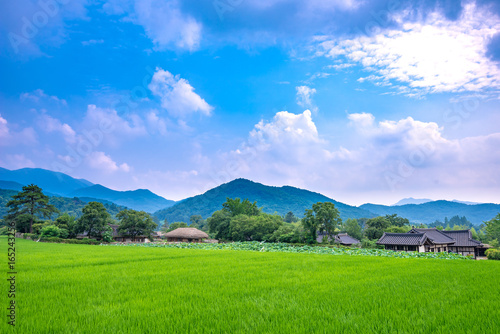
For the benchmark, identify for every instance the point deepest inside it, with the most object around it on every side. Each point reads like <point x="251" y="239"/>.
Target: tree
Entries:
<point x="290" y="217"/>
<point x="492" y="228"/>
<point x="323" y="217"/>
<point x="235" y="207"/>
<point x="218" y="224"/>
<point x="95" y="220"/>
<point x="352" y="228"/>
<point x="375" y="227"/>
<point x="32" y="201"/>
<point x="50" y="231"/>
<point x="395" y="220"/>
<point x="66" y="223"/>
<point x="134" y="223"/>
<point x="176" y="225"/>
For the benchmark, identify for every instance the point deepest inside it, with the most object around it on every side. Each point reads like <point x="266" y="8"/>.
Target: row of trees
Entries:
<point x="31" y="212"/>
<point x="236" y="221"/>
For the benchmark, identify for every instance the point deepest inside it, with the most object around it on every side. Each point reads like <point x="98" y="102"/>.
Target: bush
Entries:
<point x="31" y="236"/>
<point x="493" y="254"/>
<point x="50" y="231"/>
<point x="71" y="241"/>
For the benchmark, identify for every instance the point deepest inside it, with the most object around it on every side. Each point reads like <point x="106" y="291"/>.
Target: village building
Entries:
<point x="341" y="238"/>
<point x="186" y="234"/>
<point x="433" y="240"/>
<point x="118" y="237"/>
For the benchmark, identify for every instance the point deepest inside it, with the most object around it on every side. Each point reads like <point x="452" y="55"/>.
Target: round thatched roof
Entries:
<point x="186" y="232"/>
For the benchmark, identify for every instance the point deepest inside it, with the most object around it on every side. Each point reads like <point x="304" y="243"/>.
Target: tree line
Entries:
<point x="238" y="220"/>
<point x="32" y="213"/>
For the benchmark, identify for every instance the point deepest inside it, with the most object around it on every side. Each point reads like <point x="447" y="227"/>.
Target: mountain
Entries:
<point x="270" y="199"/>
<point x="140" y="199"/>
<point x="10" y="185"/>
<point x="427" y="213"/>
<point x="411" y="200"/>
<point x="49" y="181"/>
<point x="72" y="206"/>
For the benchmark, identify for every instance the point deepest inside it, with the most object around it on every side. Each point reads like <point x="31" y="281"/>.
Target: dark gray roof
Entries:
<point x="436" y="236"/>
<point x="409" y="239"/>
<point x="346" y="239"/>
<point x="462" y="238"/>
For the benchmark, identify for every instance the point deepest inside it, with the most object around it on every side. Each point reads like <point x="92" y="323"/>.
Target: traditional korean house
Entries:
<point x="186" y="234"/>
<point x="346" y="240"/>
<point x="440" y="242"/>
<point x="433" y="240"/>
<point x="465" y="245"/>
<point x="341" y="238"/>
<point x="408" y="242"/>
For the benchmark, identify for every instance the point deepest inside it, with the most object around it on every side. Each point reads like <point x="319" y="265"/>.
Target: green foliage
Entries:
<point x="173" y="226"/>
<point x="31" y="201"/>
<point x="492" y="228"/>
<point x="352" y="227"/>
<point x="134" y="223"/>
<point x="290" y="217"/>
<point x="50" y="231"/>
<point x="236" y="207"/>
<point x="397" y="221"/>
<point x="323" y="217"/>
<point x="256" y="228"/>
<point x="218" y="225"/>
<point x="94" y="221"/>
<point x="493" y="254"/>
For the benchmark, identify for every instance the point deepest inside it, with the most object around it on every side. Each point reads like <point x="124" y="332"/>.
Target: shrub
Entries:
<point x="50" y="231"/>
<point x="493" y="254"/>
<point x="31" y="236"/>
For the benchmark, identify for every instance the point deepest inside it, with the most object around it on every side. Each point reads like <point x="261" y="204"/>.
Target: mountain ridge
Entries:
<point x="270" y="198"/>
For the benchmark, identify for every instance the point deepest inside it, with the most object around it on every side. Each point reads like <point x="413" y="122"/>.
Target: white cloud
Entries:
<point x="39" y="95"/>
<point x="16" y="161"/>
<point x="9" y="137"/>
<point x="387" y="157"/>
<point x="103" y="162"/>
<point x="111" y="125"/>
<point x="50" y="124"/>
<point x="177" y="95"/>
<point x="431" y="56"/>
<point x="166" y="25"/>
<point x="155" y="123"/>
<point x="304" y="97"/>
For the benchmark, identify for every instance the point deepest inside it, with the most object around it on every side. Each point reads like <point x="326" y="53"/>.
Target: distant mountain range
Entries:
<point x="411" y="200"/>
<point x="51" y="182"/>
<point x="429" y="212"/>
<point x="271" y="199"/>
<point x="140" y="199"/>
<point x="59" y="184"/>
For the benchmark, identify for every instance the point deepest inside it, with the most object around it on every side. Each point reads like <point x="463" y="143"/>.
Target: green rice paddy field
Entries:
<point x="94" y="289"/>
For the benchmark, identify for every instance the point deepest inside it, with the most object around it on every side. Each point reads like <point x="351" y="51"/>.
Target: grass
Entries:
<point x="93" y="289"/>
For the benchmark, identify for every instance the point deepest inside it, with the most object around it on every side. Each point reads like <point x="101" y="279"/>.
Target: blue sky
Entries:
<point x="363" y="101"/>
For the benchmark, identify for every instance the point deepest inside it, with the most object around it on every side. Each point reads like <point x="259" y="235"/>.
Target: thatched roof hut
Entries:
<point x="186" y="234"/>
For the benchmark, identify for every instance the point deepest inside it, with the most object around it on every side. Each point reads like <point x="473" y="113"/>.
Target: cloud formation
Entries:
<point x="101" y="161"/>
<point x="304" y="97"/>
<point x="429" y="56"/>
<point x="177" y="95"/>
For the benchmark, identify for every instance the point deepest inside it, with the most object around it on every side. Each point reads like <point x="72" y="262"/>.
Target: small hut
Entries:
<point x="186" y="234"/>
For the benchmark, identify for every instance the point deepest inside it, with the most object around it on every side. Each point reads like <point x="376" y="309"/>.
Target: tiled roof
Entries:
<point x="409" y="239"/>
<point x="436" y="236"/>
<point x="463" y="238"/>
<point x="346" y="239"/>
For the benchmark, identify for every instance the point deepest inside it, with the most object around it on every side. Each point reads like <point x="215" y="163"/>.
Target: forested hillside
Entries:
<point x="270" y="199"/>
